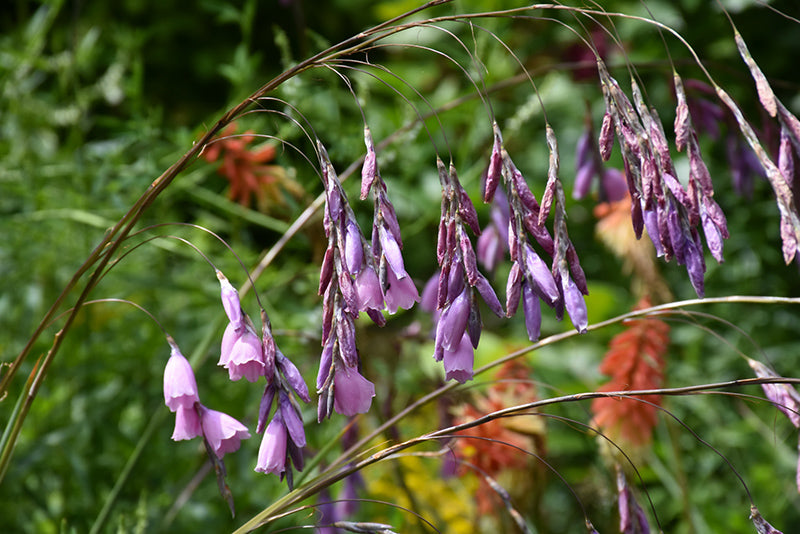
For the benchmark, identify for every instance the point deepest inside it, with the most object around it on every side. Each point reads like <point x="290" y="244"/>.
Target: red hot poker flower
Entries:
<point x="635" y="360"/>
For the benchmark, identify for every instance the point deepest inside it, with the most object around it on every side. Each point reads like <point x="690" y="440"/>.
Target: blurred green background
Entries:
<point x="98" y="98"/>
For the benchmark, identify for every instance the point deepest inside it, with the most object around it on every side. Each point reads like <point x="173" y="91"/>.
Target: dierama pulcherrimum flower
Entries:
<point x="352" y="392"/>
<point x="223" y="432"/>
<point x="180" y="386"/>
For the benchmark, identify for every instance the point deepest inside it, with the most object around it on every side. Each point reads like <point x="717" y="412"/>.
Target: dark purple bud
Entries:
<point x="698" y="169"/>
<point x="695" y="263"/>
<point x="495" y="172"/>
<point x="474" y="323"/>
<point x="533" y="312"/>
<point x="489" y="296"/>
<point x="348" y="293"/>
<point x="467" y="211"/>
<point x="370" y="169"/>
<point x="293" y="376"/>
<point x="513" y="288"/>
<point x="353" y="249"/>
<point x="265" y="407"/>
<point x="230" y="300"/>
<point x="651" y="225"/>
<point x="377" y="317"/>
<point x="785" y="158"/>
<point x="540" y="277"/>
<point x="552" y="176"/>
<point x="441" y="240"/>
<point x="636" y="215"/>
<point x="712" y="232"/>
<point x="443" y="288"/>
<point x="578" y="276"/>
<point x="327" y="313"/>
<point x="788" y="239"/>
<point x="470" y="261"/>
<point x="683" y="123"/>
<point x="325" y="364"/>
<point x="453" y="322"/>
<point x="326" y="271"/>
<point x="292" y="420"/>
<point x="649" y="178"/>
<point x="606" y="141"/>
<point x="346" y="334"/>
<point x="524" y="192"/>
<point x="574" y="303"/>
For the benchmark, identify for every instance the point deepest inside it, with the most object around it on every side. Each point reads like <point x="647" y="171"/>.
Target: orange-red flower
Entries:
<point x="635" y="360"/>
<point x="244" y="168"/>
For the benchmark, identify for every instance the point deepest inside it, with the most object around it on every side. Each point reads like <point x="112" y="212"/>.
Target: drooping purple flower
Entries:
<point x="400" y="293"/>
<point x="533" y="312"/>
<point x="453" y="322"/>
<point x="574" y="303"/>
<point x="180" y="386"/>
<point x="246" y="357"/>
<point x="223" y="432"/>
<point x="539" y="275"/>
<point x="368" y="290"/>
<point x="429" y="294"/>
<point x="352" y="392"/>
<point x="272" y="451"/>
<point x="458" y="363"/>
<point x="187" y="424"/>
<point x="230" y="300"/>
<point x="292" y="375"/>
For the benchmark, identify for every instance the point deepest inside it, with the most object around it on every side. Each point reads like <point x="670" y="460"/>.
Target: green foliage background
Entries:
<point x="98" y="98"/>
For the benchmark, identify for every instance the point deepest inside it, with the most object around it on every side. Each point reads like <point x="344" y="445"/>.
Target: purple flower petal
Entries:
<point x="180" y="386"/>
<point x="353" y="249"/>
<point x="352" y="392"/>
<point x="246" y="358"/>
<point x="400" y="293"/>
<point x="458" y="363"/>
<point x="223" y="432"/>
<point x="575" y="305"/>
<point x="272" y="452"/>
<point x="453" y="322"/>
<point x="187" y="424"/>
<point x="368" y="290"/>
<point x="292" y="421"/>
<point x="230" y="300"/>
<point x="293" y="376"/>
<point x="533" y="312"/>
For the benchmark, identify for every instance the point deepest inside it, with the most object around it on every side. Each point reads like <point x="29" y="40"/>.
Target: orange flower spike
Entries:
<point x="635" y="360"/>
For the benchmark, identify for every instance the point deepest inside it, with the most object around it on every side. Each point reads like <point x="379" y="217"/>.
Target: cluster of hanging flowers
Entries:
<point x="356" y="276"/>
